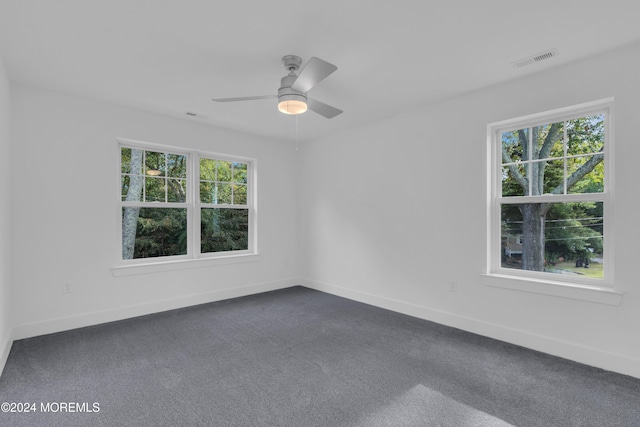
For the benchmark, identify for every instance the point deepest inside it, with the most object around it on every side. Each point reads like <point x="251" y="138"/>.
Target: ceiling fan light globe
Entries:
<point x="292" y="106"/>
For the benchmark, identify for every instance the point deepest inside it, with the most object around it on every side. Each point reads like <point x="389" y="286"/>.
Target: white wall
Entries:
<point x="5" y="225"/>
<point x="392" y="212"/>
<point x="66" y="215"/>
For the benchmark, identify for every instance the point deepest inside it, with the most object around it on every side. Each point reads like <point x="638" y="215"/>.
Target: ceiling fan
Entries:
<point x="292" y="95"/>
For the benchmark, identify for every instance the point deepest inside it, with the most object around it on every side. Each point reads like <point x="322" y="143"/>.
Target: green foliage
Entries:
<point x="573" y="230"/>
<point x="161" y="232"/>
<point x="224" y="230"/>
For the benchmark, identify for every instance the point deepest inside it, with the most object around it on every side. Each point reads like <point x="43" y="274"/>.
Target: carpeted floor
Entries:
<point x="299" y="357"/>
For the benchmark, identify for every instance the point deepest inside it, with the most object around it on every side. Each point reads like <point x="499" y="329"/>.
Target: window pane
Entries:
<point x="240" y="172"/>
<point x="124" y="186"/>
<point x="223" y="171"/>
<point x="239" y="194"/>
<point x="223" y="193"/>
<point x="514" y="145"/>
<point x="125" y="160"/>
<point x="569" y="239"/>
<point x="584" y="177"/>
<point x="154" y="189"/>
<point x="153" y="232"/>
<point x="553" y="173"/>
<point x="154" y="163"/>
<point x="207" y="169"/>
<point x="208" y="192"/>
<point x="514" y="182"/>
<point x="585" y="135"/>
<point x="132" y="180"/>
<point x="224" y="230"/>
<point x="176" y="190"/>
<point x="176" y="165"/>
<point x="548" y="141"/>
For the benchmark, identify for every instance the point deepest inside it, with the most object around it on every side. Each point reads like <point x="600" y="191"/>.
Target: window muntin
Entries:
<point x="550" y="196"/>
<point x="184" y="205"/>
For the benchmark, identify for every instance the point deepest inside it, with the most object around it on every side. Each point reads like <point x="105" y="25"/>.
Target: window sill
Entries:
<point x="161" y="266"/>
<point x="596" y="294"/>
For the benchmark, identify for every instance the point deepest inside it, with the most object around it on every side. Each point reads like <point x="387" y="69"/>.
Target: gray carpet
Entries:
<point x="298" y="357"/>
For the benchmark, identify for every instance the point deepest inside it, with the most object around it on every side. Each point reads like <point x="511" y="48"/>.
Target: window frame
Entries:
<point x="193" y="206"/>
<point x="529" y="280"/>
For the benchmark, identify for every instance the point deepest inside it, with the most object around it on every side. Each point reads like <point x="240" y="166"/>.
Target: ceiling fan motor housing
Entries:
<point x="285" y="93"/>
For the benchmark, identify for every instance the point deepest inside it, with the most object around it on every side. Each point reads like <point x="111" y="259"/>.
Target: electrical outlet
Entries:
<point x="453" y="286"/>
<point x="66" y="288"/>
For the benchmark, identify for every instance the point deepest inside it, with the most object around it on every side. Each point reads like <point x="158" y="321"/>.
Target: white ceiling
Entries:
<point x="173" y="56"/>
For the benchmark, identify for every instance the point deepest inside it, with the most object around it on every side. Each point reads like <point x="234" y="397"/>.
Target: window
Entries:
<point x="179" y="204"/>
<point x="550" y="196"/>
<point x="224" y="213"/>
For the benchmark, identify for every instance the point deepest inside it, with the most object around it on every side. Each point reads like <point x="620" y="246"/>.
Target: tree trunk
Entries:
<point x="130" y="214"/>
<point x="533" y="218"/>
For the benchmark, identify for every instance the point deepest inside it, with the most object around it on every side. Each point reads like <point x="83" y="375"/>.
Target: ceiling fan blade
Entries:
<point x="312" y="73"/>
<point x="323" y="109"/>
<point x="245" y="98"/>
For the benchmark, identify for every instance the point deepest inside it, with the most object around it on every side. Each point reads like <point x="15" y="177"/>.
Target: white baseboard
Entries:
<point x="561" y="348"/>
<point x="89" y="319"/>
<point x="5" y="348"/>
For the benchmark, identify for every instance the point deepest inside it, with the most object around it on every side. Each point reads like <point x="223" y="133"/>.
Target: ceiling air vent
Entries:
<point x="535" y="58"/>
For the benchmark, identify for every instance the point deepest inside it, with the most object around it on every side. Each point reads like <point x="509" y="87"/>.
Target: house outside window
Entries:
<point x="550" y="195"/>
<point x="178" y="204"/>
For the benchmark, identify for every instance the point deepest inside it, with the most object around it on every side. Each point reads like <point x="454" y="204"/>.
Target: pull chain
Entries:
<point x="296" y="137"/>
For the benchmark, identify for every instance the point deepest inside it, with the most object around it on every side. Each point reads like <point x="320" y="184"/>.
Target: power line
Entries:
<point x="575" y="238"/>
<point x="594" y="218"/>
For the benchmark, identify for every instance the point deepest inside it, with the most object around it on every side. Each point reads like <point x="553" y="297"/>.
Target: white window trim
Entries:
<point x="193" y="258"/>
<point x="593" y="290"/>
